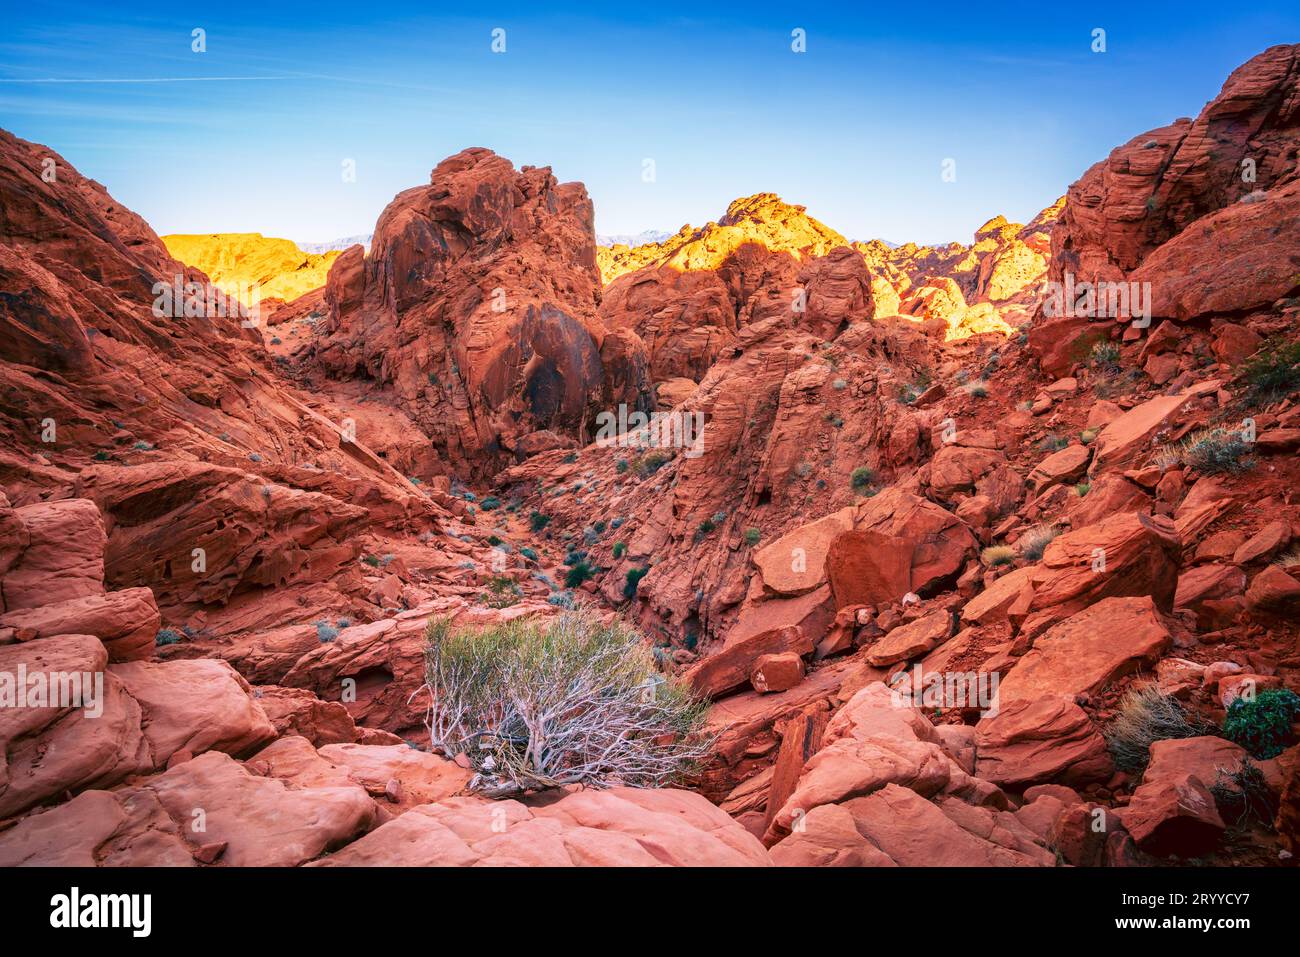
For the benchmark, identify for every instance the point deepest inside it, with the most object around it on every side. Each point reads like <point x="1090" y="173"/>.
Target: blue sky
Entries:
<point x="856" y="128"/>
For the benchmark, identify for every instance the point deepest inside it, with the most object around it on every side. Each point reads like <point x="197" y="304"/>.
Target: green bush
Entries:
<point x="752" y="536"/>
<point x="541" y="705"/>
<point x="325" y="632"/>
<point x="167" y="636"/>
<point x="537" y="521"/>
<point x="1263" y="725"/>
<point x="632" y="581"/>
<point x="490" y="503"/>
<point x="620" y="549"/>
<point x="529" y="553"/>
<point x="578" y="573"/>
<point x="862" y="478"/>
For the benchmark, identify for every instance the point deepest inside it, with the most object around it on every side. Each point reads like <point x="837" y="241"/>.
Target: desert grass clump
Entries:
<point x="752" y="536"/>
<point x="1034" y="542"/>
<point x="1262" y="725"/>
<point x="1217" y="450"/>
<point x="863" y="479"/>
<point x="1082" y="488"/>
<point x="502" y="592"/>
<point x="539" y="705"/>
<point x="1146" y="715"/>
<point x="996" y="555"/>
<point x="1243" y="796"/>
<point x="977" y="390"/>
<point x="538" y="521"/>
<point x="1105" y="357"/>
<point x="1272" y="374"/>
<point x="167" y="636"/>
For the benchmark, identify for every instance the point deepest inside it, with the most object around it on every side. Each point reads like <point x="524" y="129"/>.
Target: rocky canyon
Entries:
<point x="978" y="554"/>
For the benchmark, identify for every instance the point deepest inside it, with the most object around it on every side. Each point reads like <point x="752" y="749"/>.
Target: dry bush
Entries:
<point x="569" y="700"/>
<point x="1146" y="715"/>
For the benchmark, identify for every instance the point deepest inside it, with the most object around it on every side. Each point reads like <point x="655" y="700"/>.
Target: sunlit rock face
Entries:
<point x="475" y="312"/>
<point x="252" y="265"/>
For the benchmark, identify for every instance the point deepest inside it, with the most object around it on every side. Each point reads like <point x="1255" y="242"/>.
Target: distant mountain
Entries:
<point x="362" y="239"/>
<point x="624" y="239"/>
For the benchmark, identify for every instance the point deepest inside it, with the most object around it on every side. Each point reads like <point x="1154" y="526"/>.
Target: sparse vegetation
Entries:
<point x="752" y="536"/>
<point x="1217" y="450"/>
<point x="632" y="581"/>
<point x="1146" y="715"/>
<point x="1088" y="436"/>
<point x="863" y="479"/>
<point x="101" y="456"/>
<point x="167" y="636"/>
<point x="490" y="503"/>
<point x="539" y="705"/>
<point x="1243" y="795"/>
<point x="538" y="521"/>
<point x="578" y="573"/>
<point x="1272" y="374"/>
<point x="528" y="553"/>
<point x="996" y="555"/>
<point x="1082" y="488"/>
<point x="620" y="549"/>
<point x="1105" y="357"/>
<point x="1262" y="725"/>
<point x="977" y="390"/>
<point x="371" y="560"/>
<point x="502" y="592"/>
<point x="1034" y="542"/>
<point x="650" y="463"/>
<point x="325" y="632"/>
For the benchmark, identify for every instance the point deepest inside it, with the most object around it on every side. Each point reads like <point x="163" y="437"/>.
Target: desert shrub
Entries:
<point x="839" y="384"/>
<point x="977" y="390"/>
<point x="143" y="446"/>
<point x="1105" y="356"/>
<point x="1263" y="725"/>
<point x="650" y="463"/>
<point x="1088" y="436"/>
<point x="570" y="458"/>
<point x="529" y="553"/>
<point x="578" y="573"/>
<point x="752" y="536"/>
<point x="1034" y="542"/>
<point x="1243" y="796"/>
<point x="343" y="623"/>
<point x="502" y="592"/>
<point x="620" y="549"/>
<point x="862" y="478"/>
<point x="101" y="456"/>
<point x="632" y="581"/>
<point x="621" y="466"/>
<point x="1082" y="488"/>
<point x="1146" y="715"/>
<point x="1288" y="559"/>
<point x="538" y="521"/>
<point x="167" y="636"/>
<point x="325" y="632"/>
<point x="538" y="705"/>
<point x="600" y="527"/>
<point x="1217" y="450"/>
<point x="371" y="560"/>
<point x="996" y="555"/>
<point x="562" y="599"/>
<point x="490" y="503"/>
<point x="1273" y="373"/>
<point x="1053" y="443"/>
